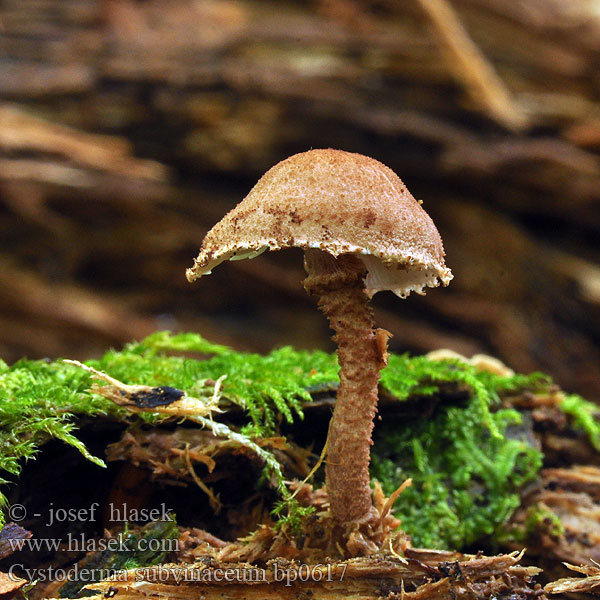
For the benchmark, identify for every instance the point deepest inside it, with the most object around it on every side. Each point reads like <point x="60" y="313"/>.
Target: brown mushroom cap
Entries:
<point x="339" y="202"/>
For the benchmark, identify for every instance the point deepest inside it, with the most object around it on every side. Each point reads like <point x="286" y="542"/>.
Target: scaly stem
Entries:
<point x="339" y="286"/>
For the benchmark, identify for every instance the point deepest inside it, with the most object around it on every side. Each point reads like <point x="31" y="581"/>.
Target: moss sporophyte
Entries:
<point x="468" y="460"/>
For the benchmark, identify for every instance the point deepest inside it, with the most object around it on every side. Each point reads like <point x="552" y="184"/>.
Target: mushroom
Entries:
<point x="362" y="232"/>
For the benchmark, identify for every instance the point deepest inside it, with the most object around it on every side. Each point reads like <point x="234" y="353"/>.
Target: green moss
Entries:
<point x="539" y="519"/>
<point x="466" y="481"/>
<point x="418" y="376"/>
<point x="467" y="469"/>
<point x="584" y="415"/>
<point x="468" y="463"/>
<point x="37" y="402"/>
<point x="267" y="387"/>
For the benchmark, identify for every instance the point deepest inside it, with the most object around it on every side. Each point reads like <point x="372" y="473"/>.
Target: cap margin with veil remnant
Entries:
<point x="339" y="202"/>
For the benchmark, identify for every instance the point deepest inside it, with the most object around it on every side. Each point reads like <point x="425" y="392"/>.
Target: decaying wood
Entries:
<point x="69" y="304"/>
<point x="573" y="496"/>
<point x="423" y="575"/>
<point x="572" y="585"/>
<point x="164" y="454"/>
<point x="259" y="565"/>
<point x="10" y="535"/>
<point x="21" y="132"/>
<point x="110" y="110"/>
<point x="9" y="586"/>
<point x="470" y="67"/>
<point x="187" y="456"/>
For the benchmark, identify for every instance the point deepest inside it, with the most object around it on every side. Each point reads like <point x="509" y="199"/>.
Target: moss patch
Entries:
<point x="467" y="462"/>
<point x="37" y="402"/>
<point x="467" y="470"/>
<point x="466" y="481"/>
<point x="268" y="387"/>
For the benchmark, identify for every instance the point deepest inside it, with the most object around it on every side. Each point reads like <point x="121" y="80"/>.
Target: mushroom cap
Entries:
<point x="338" y="202"/>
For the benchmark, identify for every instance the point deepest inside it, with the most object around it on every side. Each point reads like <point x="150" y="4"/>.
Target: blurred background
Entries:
<point x="129" y="127"/>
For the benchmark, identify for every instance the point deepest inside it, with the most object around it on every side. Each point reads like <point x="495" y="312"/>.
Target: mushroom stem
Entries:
<point x="339" y="285"/>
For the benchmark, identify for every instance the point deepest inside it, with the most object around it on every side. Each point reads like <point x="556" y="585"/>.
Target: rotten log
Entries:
<point x="423" y="575"/>
<point x="229" y="88"/>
